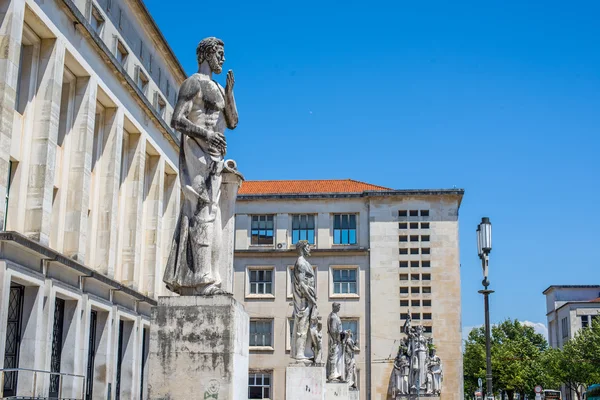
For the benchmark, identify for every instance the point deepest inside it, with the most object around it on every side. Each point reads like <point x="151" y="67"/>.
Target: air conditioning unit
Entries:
<point x="281" y="246"/>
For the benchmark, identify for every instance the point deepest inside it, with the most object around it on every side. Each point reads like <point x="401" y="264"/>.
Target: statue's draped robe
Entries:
<point x="303" y="292"/>
<point x="335" y="359"/>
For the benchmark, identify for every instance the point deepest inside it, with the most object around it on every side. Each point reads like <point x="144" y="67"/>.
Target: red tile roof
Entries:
<point x="595" y="300"/>
<point x="307" y="186"/>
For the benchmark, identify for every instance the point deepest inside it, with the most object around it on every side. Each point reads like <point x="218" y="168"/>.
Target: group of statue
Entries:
<point x="417" y="368"/>
<point x="341" y="365"/>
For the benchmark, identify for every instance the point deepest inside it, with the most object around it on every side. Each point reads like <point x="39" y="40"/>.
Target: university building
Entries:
<point x="88" y="176"/>
<point x="381" y="253"/>
<point x="570" y="308"/>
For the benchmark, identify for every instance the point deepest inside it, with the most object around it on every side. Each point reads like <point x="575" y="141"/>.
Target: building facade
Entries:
<point x="382" y="254"/>
<point x="88" y="175"/>
<point x="570" y="308"/>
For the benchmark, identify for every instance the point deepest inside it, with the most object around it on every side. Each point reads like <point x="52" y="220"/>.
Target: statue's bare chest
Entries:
<point x="210" y="96"/>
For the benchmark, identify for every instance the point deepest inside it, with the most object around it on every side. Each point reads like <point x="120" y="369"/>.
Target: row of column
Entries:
<point x="109" y="200"/>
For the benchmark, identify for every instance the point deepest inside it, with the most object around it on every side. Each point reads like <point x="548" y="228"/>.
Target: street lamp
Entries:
<point x="484" y="247"/>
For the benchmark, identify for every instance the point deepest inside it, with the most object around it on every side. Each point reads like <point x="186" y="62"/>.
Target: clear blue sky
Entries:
<point x="500" y="98"/>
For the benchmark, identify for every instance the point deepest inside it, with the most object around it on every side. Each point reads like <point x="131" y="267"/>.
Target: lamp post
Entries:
<point x="484" y="247"/>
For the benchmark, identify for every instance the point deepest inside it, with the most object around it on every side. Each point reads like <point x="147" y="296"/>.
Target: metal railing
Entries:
<point x="34" y="394"/>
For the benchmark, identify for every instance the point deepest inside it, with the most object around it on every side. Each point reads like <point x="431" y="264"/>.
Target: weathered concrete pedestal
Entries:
<point x="198" y="349"/>
<point x="305" y="383"/>
<point x="353" y="395"/>
<point x="336" y="391"/>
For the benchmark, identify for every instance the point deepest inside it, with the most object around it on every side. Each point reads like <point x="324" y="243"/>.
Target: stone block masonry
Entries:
<point x="198" y="349"/>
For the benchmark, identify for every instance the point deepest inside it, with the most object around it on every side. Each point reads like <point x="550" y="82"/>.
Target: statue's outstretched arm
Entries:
<point x="231" y="114"/>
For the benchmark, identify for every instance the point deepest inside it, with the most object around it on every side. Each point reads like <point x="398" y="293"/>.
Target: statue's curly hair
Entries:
<point x="207" y="47"/>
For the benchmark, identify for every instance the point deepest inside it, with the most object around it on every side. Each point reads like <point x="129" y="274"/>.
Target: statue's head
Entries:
<point x="303" y="248"/>
<point x="335" y="307"/>
<point x="211" y="50"/>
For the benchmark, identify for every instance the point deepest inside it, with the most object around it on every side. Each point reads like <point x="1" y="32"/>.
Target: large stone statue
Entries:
<point x="201" y="258"/>
<point x="305" y="301"/>
<point x="335" y="355"/>
<point x="349" y="347"/>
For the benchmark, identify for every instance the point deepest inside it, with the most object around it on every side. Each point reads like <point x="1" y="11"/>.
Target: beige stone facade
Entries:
<point x="88" y="179"/>
<point x="383" y="272"/>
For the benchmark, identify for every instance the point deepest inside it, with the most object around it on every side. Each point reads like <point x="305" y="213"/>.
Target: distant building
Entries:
<point x="570" y="308"/>
<point x="381" y="253"/>
<point x="88" y="180"/>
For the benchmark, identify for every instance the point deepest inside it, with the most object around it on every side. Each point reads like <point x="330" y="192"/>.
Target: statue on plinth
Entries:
<point x="305" y="301"/>
<point x="335" y="354"/>
<point x="201" y="257"/>
<point x="399" y="381"/>
<point x="434" y="373"/>
<point x="349" y="347"/>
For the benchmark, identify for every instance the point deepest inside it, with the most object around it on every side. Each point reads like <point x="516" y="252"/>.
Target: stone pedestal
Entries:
<point x="305" y="383"/>
<point x="336" y="391"/>
<point x="414" y="396"/>
<point x="353" y="395"/>
<point x="198" y="349"/>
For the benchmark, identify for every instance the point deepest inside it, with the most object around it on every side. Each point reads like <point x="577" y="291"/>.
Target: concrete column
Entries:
<point x="242" y="231"/>
<point x="171" y="201"/>
<point x="281" y="228"/>
<point x="105" y="351"/>
<point x="132" y="190"/>
<point x="11" y="30"/>
<point x="71" y="356"/>
<point x="78" y="189"/>
<point x="103" y="255"/>
<point x="324" y="239"/>
<point x="43" y="147"/>
<point x="153" y="208"/>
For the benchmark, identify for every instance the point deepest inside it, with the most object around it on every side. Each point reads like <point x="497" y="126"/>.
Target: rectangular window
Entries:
<point x="414" y="225"/>
<point x="402" y="213"/>
<point x="426" y="277"/>
<point x="565" y="327"/>
<point x="404" y="316"/>
<point x="161" y="105"/>
<point x="404" y="290"/>
<point x="415" y="303"/>
<point x="403" y="264"/>
<point x="425" y="238"/>
<point x="424" y="225"/>
<point x="403" y="238"/>
<point x="424" y="213"/>
<point x="427" y="329"/>
<point x="403" y="277"/>
<point x="426" y="303"/>
<point x="426" y="315"/>
<point x="414" y="213"/>
<point x="261" y="281"/>
<point x="414" y="250"/>
<point x="351" y="324"/>
<point x="414" y="264"/>
<point x="426" y="289"/>
<point x="121" y="53"/>
<point x="402" y="225"/>
<point x="403" y="251"/>
<point x="142" y="81"/>
<point x="426" y="264"/>
<point x="414" y="277"/>
<point x="261" y="332"/>
<point x="403" y="303"/>
<point x="416" y="316"/>
<point x="415" y="290"/>
<point x="262" y="230"/>
<point x="97" y="20"/>
<point x="303" y="228"/>
<point x="425" y="250"/>
<point x="344" y="228"/>
<point x="344" y="281"/>
<point x="414" y="238"/>
<point x="259" y="386"/>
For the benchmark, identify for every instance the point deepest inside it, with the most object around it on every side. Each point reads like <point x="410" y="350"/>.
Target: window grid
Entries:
<point x="403" y="303"/>
<point x="261" y="333"/>
<point x="303" y="228"/>
<point x="262" y="230"/>
<point x="344" y="228"/>
<point x="344" y="281"/>
<point x="261" y="281"/>
<point x="259" y="386"/>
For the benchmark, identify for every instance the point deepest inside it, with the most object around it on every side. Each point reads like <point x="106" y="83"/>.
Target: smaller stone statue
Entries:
<point x="305" y="301"/>
<point x="399" y="383"/>
<point x="316" y="335"/>
<point x="434" y="373"/>
<point x="350" y="363"/>
<point x="335" y="355"/>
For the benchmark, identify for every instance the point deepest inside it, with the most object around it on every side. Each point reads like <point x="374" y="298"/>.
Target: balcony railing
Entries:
<point x="34" y="393"/>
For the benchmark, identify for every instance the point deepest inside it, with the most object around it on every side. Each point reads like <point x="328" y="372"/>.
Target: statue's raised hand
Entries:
<point x="230" y="82"/>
